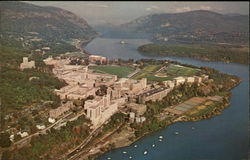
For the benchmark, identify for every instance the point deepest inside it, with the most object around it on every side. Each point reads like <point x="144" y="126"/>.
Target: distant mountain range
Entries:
<point x="49" y="23"/>
<point x="193" y="25"/>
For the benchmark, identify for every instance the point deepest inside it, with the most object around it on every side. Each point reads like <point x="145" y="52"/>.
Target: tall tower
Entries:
<point x="25" y="60"/>
<point x="106" y="100"/>
<point x="144" y="82"/>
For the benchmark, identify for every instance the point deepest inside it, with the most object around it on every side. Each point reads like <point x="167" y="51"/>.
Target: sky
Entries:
<point x="118" y="12"/>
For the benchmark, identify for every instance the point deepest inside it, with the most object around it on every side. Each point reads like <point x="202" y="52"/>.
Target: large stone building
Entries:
<point x="56" y="113"/>
<point x="81" y="81"/>
<point x="138" y="109"/>
<point x="100" y="109"/>
<point x="27" y="64"/>
<point x="130" y="86"/>
<point x="94" y="59"/>
<point x="170" y="84"/>
<point x="190" y="79"/>
<point x="75" y="92"/>
<point x="179" y="80"/>
<point x="154" y="94"/>
<point x="197" y="79"/>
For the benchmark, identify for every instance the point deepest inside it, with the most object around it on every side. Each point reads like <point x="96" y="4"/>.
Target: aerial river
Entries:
<point x="224" y="137"/>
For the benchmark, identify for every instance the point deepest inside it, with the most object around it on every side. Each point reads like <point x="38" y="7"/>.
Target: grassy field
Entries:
<point x="151" y="68"/>
<point x="120" y="71"/>
<point x="151" y="77"/>
<point x="149" y="73"/>
<point x="168" y="73"/>
<point x="203" y="109"/>
<point x="178" y="70"/>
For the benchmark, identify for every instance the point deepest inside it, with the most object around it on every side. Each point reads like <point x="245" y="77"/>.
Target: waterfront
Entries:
<point x="224" y="137"/>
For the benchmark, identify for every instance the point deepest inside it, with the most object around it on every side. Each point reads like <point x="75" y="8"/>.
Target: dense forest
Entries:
<point x="49" y="23"/>
<point x="224" y="53"/>
<point x="16" y="89"/>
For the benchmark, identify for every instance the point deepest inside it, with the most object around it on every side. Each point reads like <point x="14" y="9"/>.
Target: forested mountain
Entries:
<point x="48" y="23"/>
<point x="194" y="25"/>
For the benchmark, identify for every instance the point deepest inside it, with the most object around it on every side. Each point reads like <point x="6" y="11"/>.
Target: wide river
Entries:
<point x="224" y="137"/>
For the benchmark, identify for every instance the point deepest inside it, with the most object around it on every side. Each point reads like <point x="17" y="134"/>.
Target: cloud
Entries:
<point x="183" y="9"/>
<point x="151" y="8"/>
<point x="186" y="9"/>
<point x="205" y="8"/>
<point x="97" y="5"/>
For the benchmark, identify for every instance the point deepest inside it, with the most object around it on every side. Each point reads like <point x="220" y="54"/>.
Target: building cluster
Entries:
<point x="83" y="82"/>
<point x="95" y="59"/>
<point x="136" y="112"/>
<point x="181" y="80"/>
<point x="158" y="92"/>
<point x="26" y="64"/>
<point x="42" y="50"/>
<point x="100" y="109"/>
<point x="55" y="113"/>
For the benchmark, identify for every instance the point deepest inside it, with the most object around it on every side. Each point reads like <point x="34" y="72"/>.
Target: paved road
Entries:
<point x="133" y="73"/>
<point x="68" y="156"/>
<point x="86" y="152"/>
<point x="159" y="70"/>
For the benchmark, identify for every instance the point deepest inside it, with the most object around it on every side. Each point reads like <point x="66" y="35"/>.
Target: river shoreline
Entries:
<point x="101" y="153"/>
<point x="145" y="50"/>
<point x="106" y="146"/>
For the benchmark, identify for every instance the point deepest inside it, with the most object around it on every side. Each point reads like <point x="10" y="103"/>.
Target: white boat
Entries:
<point x="108" y="158"/>
<point x="130" y="157"/>
<point x="145" y="152"/>
<point x="124" y="152"/>
<point x="176" y="133"/>
<point x="135" y="146"/>
<point x="122" y="42"/>
<point x="160" y="140"/>
<point x="153" y="145"/>
<point x="160" y="137"/>
<point x="193" y="128"/>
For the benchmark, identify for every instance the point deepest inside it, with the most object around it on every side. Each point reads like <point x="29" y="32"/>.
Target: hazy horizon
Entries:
<point x="115" y="12"/>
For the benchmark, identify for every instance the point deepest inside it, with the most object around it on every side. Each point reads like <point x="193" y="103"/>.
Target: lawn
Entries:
<point x="168" y="73"/>
<point x="149" y="73"/>
<point x="120" y="71"/>
<point x="177" y="70"/>
<point x="199" y="111"/>
<point x="151" y="68"/>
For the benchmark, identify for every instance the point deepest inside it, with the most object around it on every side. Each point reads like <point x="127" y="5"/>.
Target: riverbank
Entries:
<point x="126" y="135"/>
<point x="218" y="84"/>
<point x="217" y="52"/>
<point x="234" y="119"/>
<point x="81" y="44"/>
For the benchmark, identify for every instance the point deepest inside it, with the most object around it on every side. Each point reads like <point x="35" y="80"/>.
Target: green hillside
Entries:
<point x="16" y="90"/>
<point x="46" y="23"/>
<point x="225" y="53"/>
<point x="195" y="26"/>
